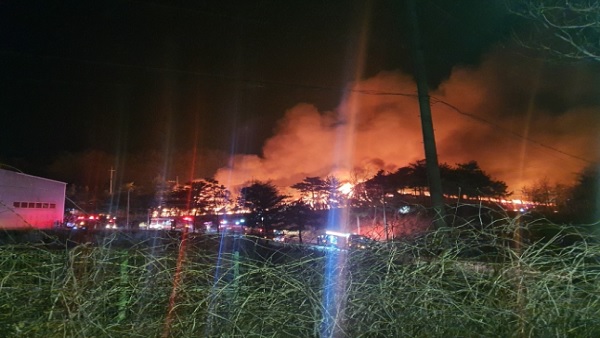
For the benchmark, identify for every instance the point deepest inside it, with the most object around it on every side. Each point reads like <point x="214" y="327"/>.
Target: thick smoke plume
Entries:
<point x="513" y="120"/>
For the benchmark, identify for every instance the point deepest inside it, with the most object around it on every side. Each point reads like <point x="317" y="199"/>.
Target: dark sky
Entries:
<point x="125" y="76"/>
<point x="92" y="74"/>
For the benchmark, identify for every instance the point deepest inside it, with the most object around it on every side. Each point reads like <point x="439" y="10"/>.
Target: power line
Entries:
<point x="511" y="132"/>
<point x="228" y="77"/>
<point x="435" y="100"/>
<point x="222" y="76"/>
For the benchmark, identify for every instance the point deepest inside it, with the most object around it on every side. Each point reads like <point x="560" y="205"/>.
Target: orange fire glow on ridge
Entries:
<point x="473" y="120"/>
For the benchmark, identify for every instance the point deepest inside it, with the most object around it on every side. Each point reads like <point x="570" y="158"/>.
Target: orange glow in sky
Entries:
<point x="472" y="121"/>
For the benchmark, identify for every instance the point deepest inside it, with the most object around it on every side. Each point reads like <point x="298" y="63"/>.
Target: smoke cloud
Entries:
<point x="508" y="114"/>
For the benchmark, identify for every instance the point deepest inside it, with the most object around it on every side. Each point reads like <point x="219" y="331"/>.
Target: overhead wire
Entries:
<point x="477" y="118"/>
<point x="511" y="132"/>
<point x="433" y="99"/>
<point x="264" y="82"/>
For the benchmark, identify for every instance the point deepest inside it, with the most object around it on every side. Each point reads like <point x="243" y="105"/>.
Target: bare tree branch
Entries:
<point x="566" y="28"/>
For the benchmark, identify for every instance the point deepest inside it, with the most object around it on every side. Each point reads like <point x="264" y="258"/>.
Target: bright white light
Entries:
<point x="404" y="210"/>
<point x="335" y="233"/>
<point x="346" y="188"/>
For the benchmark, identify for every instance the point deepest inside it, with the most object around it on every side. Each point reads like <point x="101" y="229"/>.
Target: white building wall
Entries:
<point x="29" y="201"/>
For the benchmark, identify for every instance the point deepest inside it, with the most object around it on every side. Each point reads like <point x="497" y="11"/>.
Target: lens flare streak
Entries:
<point x="333" y="294"/>
<point x="176" y="283"/>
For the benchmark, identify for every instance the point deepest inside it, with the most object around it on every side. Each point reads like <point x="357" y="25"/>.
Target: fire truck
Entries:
<point x="185" y="223"/>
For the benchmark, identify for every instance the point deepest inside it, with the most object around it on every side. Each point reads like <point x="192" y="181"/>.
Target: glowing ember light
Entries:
<point x="346" y="188"/>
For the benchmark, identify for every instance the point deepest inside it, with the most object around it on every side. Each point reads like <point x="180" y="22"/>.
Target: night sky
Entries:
<point x="248" y="77"/>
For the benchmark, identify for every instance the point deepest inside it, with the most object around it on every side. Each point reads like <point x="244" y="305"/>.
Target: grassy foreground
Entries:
<point x="493" y="281"/>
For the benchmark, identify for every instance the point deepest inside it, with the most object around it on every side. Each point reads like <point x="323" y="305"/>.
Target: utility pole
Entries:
<point x="127" y="221"/>
<point x="385" y="224"/>
<point x="130" y="187"/>
<point x="110" y="189"/>
<point x="431" y="160"/>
